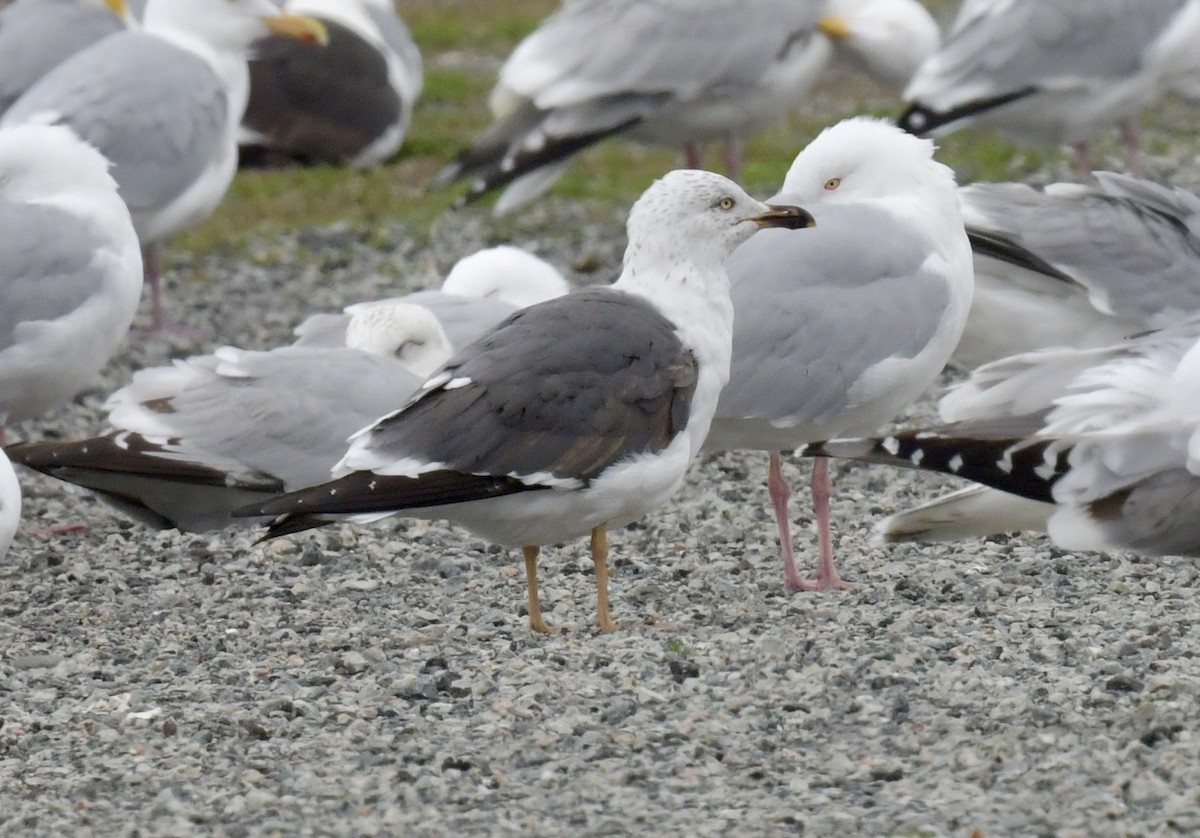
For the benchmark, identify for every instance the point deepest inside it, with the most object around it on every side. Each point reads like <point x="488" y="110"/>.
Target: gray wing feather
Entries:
<point x="566" y="387"/>
<point x="36" y="35"/>
<point x="1134" y="245"/>
<point x="47" y="265"/>
<point x="604" y="48"/>
<point x="291" y="411"/>
<point x="158" y="112"/>
<point x="464" y="319"/>
<point x="1034" y="43"/>
<point x="812" y="313"/>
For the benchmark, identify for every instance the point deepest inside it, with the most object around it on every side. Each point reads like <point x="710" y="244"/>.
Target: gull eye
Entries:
<point x="832" y="184"/>
<point x="726" y="203"/>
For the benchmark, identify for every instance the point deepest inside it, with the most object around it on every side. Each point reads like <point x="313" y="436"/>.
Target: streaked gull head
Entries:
<point x="408" y="332"/>
<point x="698" y="217"/>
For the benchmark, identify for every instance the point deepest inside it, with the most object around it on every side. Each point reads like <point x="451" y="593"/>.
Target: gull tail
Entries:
<point x="364" y="494"/>
<point x="512" y="148"/>
<point x="975" y="451"/>
<point x="973" y="512"/>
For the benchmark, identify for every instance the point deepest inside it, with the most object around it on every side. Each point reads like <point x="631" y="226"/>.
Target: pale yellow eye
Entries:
<point x="833" y="183"/>
<point x="726" y="203"/>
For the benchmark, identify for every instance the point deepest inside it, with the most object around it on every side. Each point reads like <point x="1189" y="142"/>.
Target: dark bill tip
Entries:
<point x="789" y="218"/>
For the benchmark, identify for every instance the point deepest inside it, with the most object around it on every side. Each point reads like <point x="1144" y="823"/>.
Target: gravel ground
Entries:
<point x="382" y="680"/>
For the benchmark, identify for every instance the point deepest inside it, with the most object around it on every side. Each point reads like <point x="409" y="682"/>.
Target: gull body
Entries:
<point x="1097" y="447"/>
<point x="1054" y="71"/>
<point x="847" y="326"/>
<point x="194" y="440"/>
<point x="163" y="104"/>
<point x="70" y="271"/>
<point x="349" y="101"/>
<point x="672" y="73"/>
<point x="1075" y="265"/>
<point x="575" y="414"/>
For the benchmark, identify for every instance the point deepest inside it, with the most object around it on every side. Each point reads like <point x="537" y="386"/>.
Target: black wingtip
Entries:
<point x="917" y="120"/>
<point x="922" y="120"/>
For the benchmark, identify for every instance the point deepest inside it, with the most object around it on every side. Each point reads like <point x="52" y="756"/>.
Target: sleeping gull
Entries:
<point x="885" y="39"/>
<point x="163" y="104"/>
<point x="347" y="102"/>
<point x="576" y="414"/>
<point x="673" y="72"/>
<point x="1072" y="265"/>
<point x="845" y="327"/>
<point x="1098" y="447"/>
<point x="37" y="35"/>
<point x="10" y="504"/>
<point x="481" y="290"/>
<point x="70" y="269"/>
<point x="192" y="441"/>
<point x="1053" y="72"/>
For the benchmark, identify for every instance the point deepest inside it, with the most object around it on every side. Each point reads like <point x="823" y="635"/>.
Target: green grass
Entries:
<point x="463" y="43"/>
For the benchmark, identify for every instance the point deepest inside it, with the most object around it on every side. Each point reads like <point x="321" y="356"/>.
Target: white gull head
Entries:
<point x="505" y="273"/>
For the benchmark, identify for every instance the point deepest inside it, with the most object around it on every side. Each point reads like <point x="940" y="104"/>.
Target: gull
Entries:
<point x="845" y="327"/>
<point x="1074" y="265"/>
<point x="70" y="269"/>
<point x="1097" y="447"/>
<point x="673" y="72"/>
<point x="885" y="39"/>
<point x="573" y="415"/>
<point x="481" y="289"/>
<point x="1054" y="71"/>
<point x="37" y="35"/>
<point x="163" y="104"/>
<point x="194" y="440"/>
<point x="10" y="504"/>
<point x="348" y="102"/>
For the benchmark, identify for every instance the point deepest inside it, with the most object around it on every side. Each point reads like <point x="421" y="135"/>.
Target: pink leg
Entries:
<point x="1131" y="132"/>
<point x="153" y="277"/>
<point x="822" y="489"/>
<point x="733" y="158"/>
<point x="691" y="156"/>
<point x="1083" y="159"/>
<point x="780" y="492"/>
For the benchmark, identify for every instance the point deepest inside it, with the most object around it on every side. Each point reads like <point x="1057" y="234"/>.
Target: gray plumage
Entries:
<point x="600" y="377"/>
<point x="156" y="154"/>
<point x="37" y="35"/>
<point x="1001" y="58"/>
<point x="1074" y="265"/>
<point x="464" y="319"/>
<point x="801" y="336"/>
<point x="229" y="428"/>
<point x="670" y="72"/>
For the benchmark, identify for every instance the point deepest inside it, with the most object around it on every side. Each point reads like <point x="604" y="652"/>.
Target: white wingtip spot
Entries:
<point x="891" y="445"/>
<point x="956" y="463"/>
<point x="917" y="455"/>
<point x="455" y="383"/>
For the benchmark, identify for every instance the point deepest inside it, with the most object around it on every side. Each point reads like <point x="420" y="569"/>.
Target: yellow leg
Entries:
<point x="600" y="559"/>
<point x="536" y="623"/>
